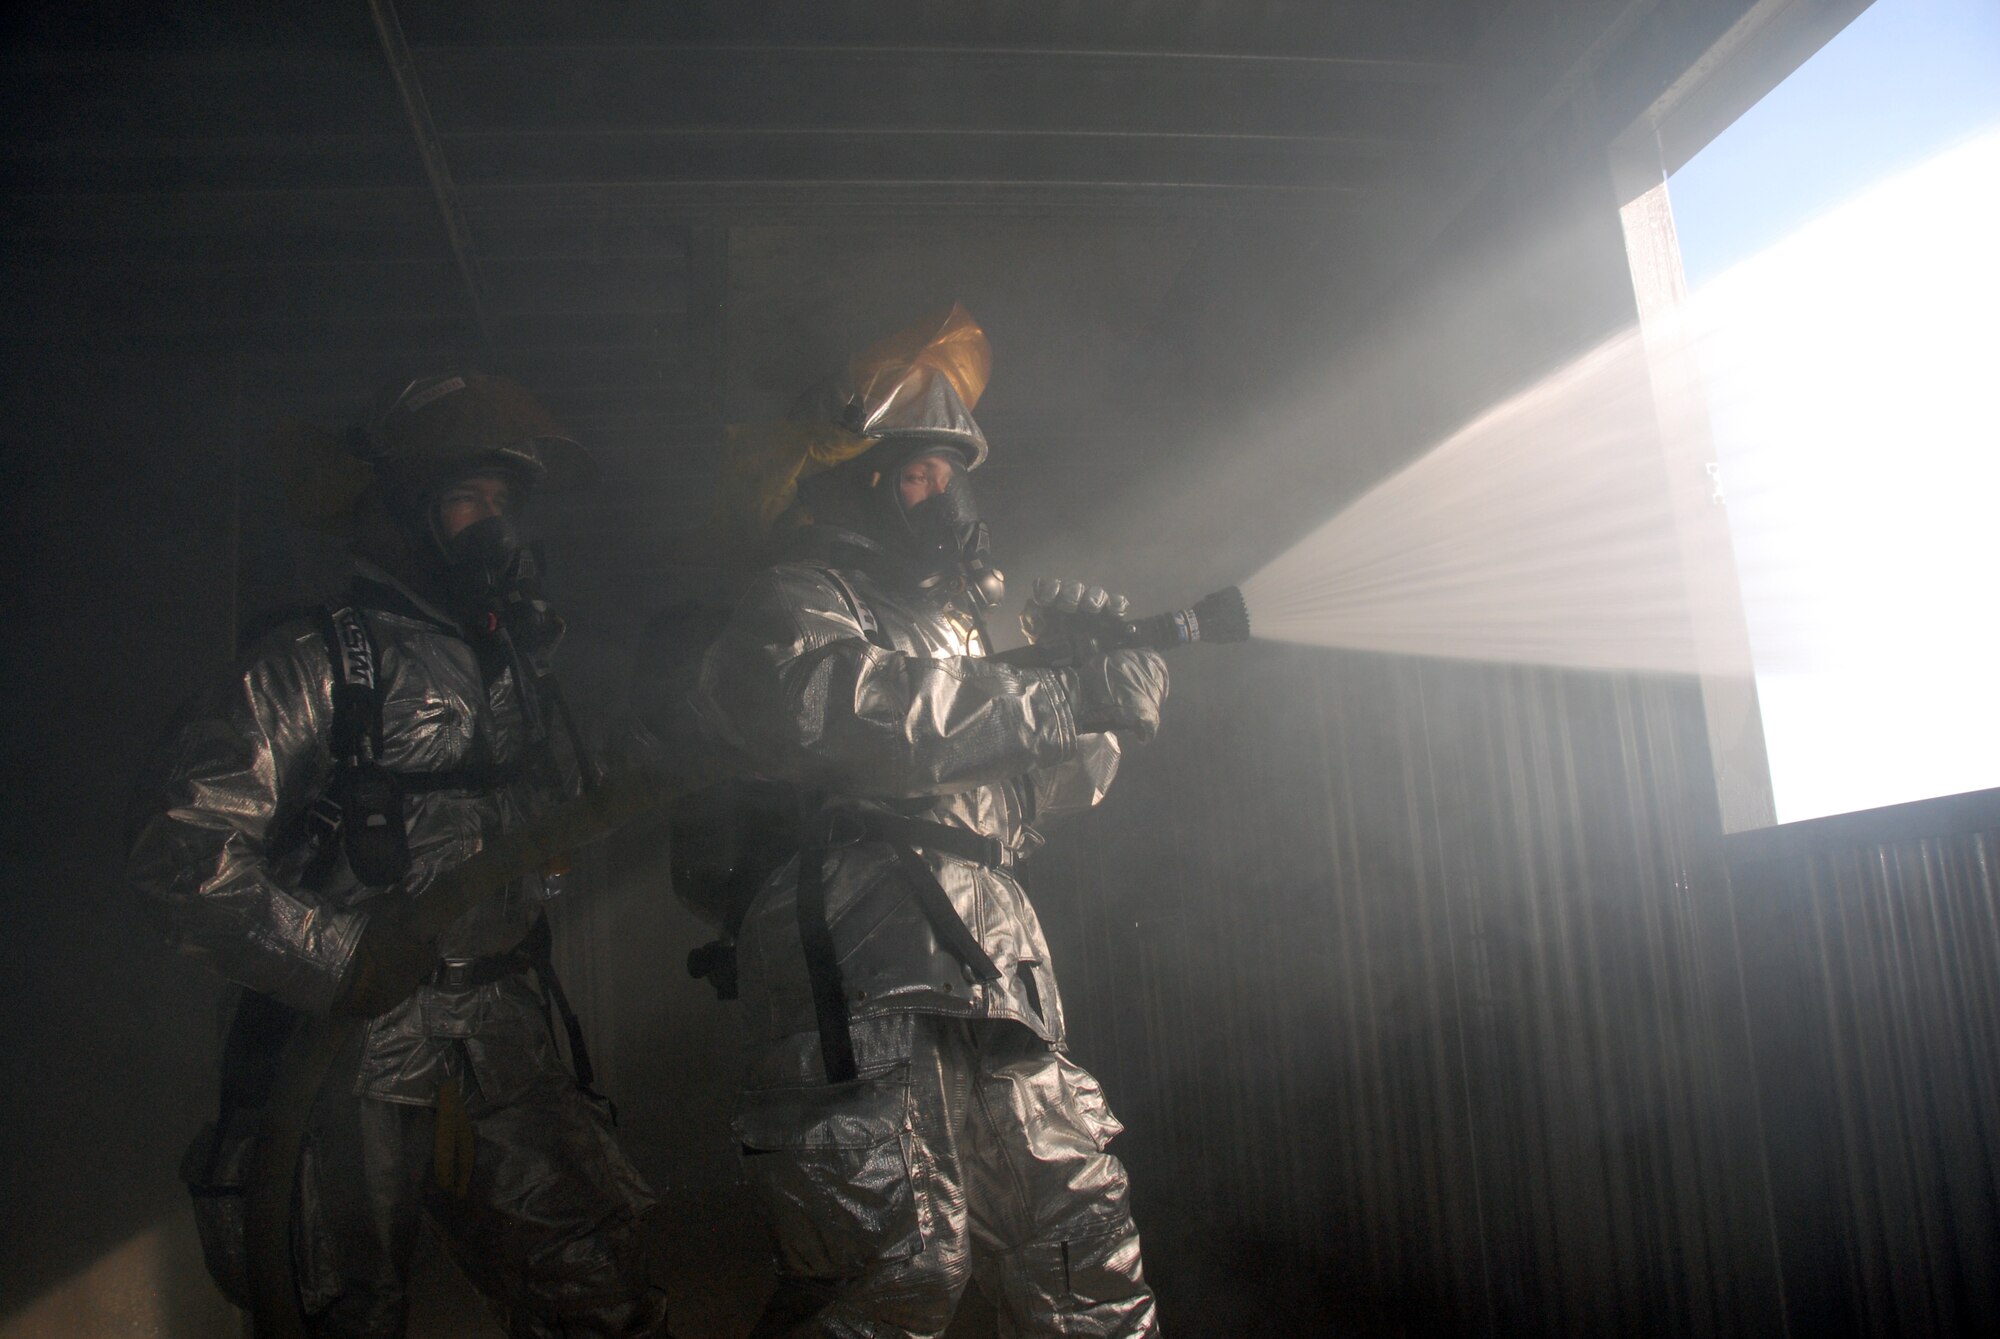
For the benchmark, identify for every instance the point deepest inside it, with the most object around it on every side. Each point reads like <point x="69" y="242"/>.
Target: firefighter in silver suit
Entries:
<point x="291" y="816"/>
<point x="910" y="1118"/>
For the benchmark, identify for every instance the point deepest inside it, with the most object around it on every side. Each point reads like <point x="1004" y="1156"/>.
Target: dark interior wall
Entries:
<point x="119" y="501"/>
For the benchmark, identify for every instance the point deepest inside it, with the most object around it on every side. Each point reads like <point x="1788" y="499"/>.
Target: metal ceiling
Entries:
<point x="664" y="216"/>
<point x="270" y="161"/>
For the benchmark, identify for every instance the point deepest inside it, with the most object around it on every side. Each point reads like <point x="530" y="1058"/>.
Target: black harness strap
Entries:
<point x="540" y="948"/>
<point x="906" y="834"/>
<point x="363" y="789"/>
<point x="964" y="843"/>
<point x="902" y="835"/>
<point x="829" y="992"/>
<point x="953" y="934"/>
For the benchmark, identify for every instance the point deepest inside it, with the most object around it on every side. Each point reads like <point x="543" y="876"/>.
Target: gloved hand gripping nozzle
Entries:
<point x="1070" y="625"/>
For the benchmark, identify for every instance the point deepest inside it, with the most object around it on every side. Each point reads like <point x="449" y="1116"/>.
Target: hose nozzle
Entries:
<point x="1218" y="618"/>
<point x="1221" y="617"/>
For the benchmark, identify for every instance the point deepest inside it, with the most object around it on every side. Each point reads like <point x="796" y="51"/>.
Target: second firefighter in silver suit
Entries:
<point x="910" y="1116"/>
<point x="414" y="709"/>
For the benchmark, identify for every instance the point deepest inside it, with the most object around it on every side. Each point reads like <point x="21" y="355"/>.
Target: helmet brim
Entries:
<point x="486" y="421"/>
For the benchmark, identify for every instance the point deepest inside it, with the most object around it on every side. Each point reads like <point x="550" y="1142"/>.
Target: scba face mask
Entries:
<point x="496" y="580"/>
<point x="944" y="535"/>
<point x="487" y="552"/>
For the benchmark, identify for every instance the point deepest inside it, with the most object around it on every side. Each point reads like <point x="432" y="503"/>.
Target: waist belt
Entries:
<point x="467" y="973"/>
<point x="977" y="847"/>
<point x="535" y="954"/>
<point x="829" y="991"/>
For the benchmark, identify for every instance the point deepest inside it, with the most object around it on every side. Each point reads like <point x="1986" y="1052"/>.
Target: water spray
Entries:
<point x="1216" y="619"/>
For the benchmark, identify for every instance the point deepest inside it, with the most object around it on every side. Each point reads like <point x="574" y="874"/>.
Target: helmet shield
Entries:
<point x="922" y="382"/>
<point x="838" y="455"/>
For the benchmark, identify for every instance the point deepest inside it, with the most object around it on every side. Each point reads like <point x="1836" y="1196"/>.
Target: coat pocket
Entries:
<point x="834" y="1166"/>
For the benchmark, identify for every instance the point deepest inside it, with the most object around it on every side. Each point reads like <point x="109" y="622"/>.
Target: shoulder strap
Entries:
<point x="364" y="805"/>
<point x="357" y="724"/>
<point x="357" y="693"/>
<point x="362" y="811"/>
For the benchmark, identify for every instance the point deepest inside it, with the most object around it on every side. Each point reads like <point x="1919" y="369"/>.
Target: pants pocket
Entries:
<point x="213" y="1170"/>
<point x="834" y="1167"/>
<point x="1082" y="1099"/>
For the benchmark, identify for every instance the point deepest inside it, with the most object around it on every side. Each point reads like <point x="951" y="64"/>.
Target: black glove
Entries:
<point x="1070" y="609"/>
<point x="1119" y="690"/>
<point x="388" y="965"/>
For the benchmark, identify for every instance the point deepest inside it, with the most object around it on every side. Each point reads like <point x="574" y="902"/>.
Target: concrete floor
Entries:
<point x="714" y="1261"/>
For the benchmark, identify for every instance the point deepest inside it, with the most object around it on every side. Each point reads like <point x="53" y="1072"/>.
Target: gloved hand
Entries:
<point x="1069" y="609"/>
<point x="388" y="965"/>
<point x="1120" y="690"/>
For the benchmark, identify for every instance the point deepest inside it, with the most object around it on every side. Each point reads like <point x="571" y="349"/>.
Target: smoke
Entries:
<point x="1540" y="531"/>
<point x="1801" y="466"/>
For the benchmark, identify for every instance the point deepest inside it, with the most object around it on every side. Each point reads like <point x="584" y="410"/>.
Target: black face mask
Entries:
<point x="496" y="583"/>
<point x="940" y="527"/>
<point x="485" y="551"/>
<point x="944" y="539"/>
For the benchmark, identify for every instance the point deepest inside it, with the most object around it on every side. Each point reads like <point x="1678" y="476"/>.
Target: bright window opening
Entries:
<point x="1840" y="244"/>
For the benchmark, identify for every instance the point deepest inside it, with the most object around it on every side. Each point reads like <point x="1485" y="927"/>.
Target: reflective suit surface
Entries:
<point x="967" y="1146"/>
<point x="546" y="1217"/>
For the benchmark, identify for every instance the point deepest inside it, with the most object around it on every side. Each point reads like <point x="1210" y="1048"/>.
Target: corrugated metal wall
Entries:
<point x="1433" y="1008"/>
<point x="1419" y="998"/>
<point x="1874" y="999"/>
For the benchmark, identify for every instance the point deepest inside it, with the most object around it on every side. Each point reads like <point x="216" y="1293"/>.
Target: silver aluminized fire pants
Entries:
<point x="547" y="1225"/>
<point x="983" y="1158"/>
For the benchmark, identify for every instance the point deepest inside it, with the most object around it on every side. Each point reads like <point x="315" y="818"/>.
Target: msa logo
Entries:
<point x="358" y="664"/>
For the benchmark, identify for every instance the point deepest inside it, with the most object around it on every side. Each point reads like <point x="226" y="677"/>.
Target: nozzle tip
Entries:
<point x="1224" y="616"/>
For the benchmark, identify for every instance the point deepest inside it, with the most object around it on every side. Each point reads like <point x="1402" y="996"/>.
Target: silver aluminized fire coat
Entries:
<point x="969" y="1146"/>
<point x="215" y="855"/>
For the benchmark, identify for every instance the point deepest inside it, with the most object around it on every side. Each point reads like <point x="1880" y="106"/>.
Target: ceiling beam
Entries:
<point x="403" y="69"/>
<point x="365" y="223"/>
<point x="125" y="163"/>
<point x="1370" y="69"/>
<point x="293" y="92"/>
<point x="224" y="61"/>
<point x="644" y="88"/>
